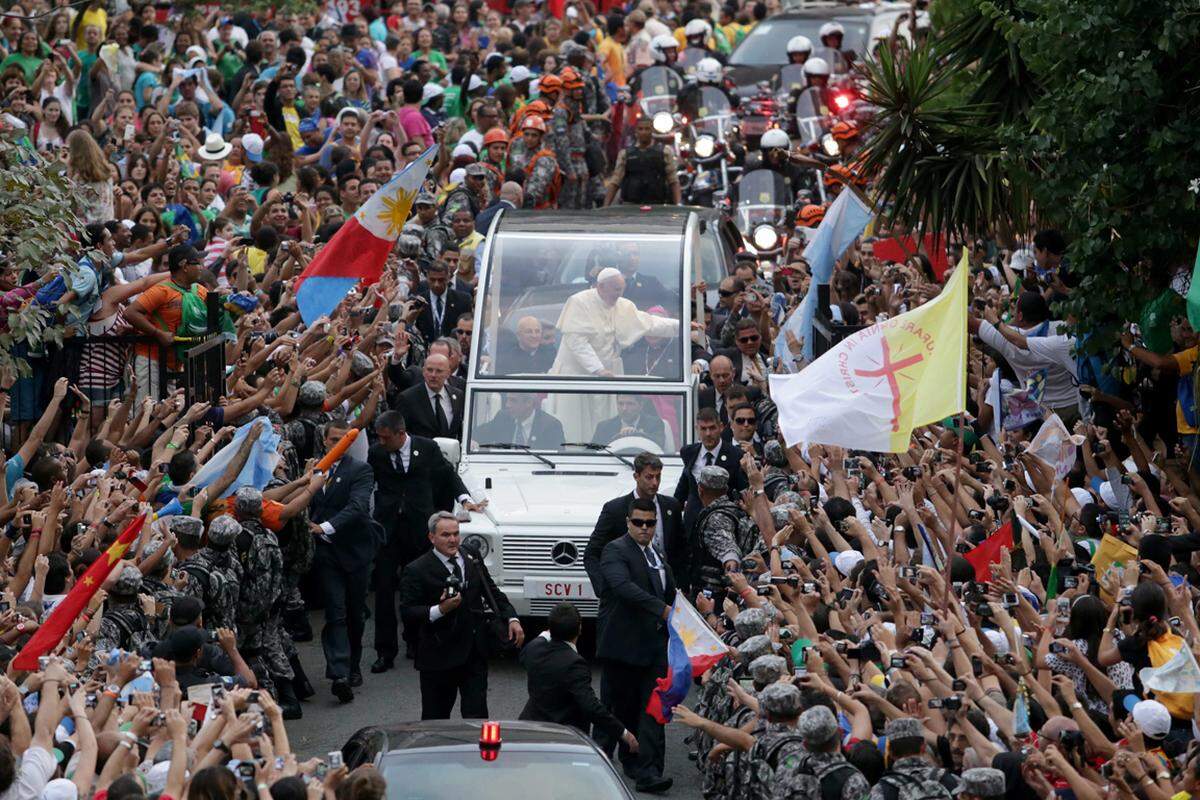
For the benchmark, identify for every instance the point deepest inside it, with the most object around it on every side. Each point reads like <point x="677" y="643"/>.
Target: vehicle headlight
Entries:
<point x="765" y="237"/>
<point x="830" y="145"/>
<point x="476" y="543"/>
<point x="663" y="122"/>
<point x="705" y="146"/>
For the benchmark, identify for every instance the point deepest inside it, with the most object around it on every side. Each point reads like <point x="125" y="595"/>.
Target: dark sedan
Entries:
<point x="764" y="50"/>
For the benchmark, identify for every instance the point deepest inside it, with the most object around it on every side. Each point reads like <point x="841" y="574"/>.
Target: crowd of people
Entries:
<point x="879" y="644"/>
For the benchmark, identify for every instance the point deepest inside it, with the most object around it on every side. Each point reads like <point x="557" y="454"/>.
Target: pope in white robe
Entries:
<point x="596" y="325"/>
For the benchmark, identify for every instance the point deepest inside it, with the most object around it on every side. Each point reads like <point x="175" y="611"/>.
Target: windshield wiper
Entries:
<point x="524" y="448"/>
<point x="602" y="448"/>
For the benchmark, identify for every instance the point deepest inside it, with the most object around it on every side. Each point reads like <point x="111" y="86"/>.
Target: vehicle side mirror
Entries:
<point x="451" y="449"/>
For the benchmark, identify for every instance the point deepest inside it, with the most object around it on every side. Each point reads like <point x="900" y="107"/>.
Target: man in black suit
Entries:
<point x="633" y="419"/>
<point x="522" y="422"/>
<point x="721" y="372"/>
<point x="410" y="477"/>
<point x="442" y="596"/>
<point x="749" y="365"/>
<point x="525" y="352"/>
<point x="410" y="376"/>
<point x="346" y="538"/>
<point x="432" y="408"/>
<point x="560" y="681"/>
<point x="711" y="450"/>
<point x="644" y="290"/>
<point x="442" y="306"/>
<point x="631" y="642"/>
<point x="670" y="537"/>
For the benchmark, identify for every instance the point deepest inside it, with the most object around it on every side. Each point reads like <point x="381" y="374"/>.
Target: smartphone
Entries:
<point x="928" y="619"/>
<point x="1010" y="600"/>
<point x="321" y="770"/>
<point x="907" y="573"/>
<point x="977" y="666"/>
<point x="897" y="662"/>
<point x="958" y="685"/>
<point x="335" y="758"/>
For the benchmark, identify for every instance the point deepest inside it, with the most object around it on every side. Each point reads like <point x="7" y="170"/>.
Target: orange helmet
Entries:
<point x="844" y="131"/>
<point x="533" y="122"/>
<point x="495" y="136"/>
<point x="810" y="216"/>
<point x="550" y="83"/>
<point x="571" y="79"/>
<point x="838" y="173"/>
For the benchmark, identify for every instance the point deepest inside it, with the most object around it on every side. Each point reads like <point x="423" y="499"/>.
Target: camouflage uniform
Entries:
<point x="213" y="575"/>
<point x="723" y="528"/>
<point x="775" y="746"/>
<point x="304" y="432"/>
<point x="124" y="625"/>
<point x="460" y="197"/>
<point x="854" y="785"/>
<point x="568" y="139"/>
<point x="543" y="181"/>
<point x="260" y="628"/>
<point x="907" y="775"/>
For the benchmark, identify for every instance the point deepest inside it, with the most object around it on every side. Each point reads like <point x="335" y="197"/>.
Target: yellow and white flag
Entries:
<point x="872" y="388"/>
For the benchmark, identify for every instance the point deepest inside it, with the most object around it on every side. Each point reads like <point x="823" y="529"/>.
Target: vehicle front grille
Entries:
<point x="527" y="555"/>
<point x="541" y="607"/>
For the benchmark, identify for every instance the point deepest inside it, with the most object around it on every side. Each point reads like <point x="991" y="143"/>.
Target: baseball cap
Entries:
<point x="476" y="82"/>
<point x="430" y="91"/>
<point x="307" y="125"/>
<point x="252" y="143"/>
<point x="520" y="74"/>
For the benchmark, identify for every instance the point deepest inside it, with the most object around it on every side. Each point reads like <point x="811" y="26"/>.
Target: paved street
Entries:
<point x="395" y="696"/>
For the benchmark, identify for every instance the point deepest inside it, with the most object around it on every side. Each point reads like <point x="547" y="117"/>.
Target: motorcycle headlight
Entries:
<point x="705" y="146"/>
<point x="476" y="543"/>
<point x="662" y="122"/>
<point x="830" y="145"/>
<point x="765" y="238"/>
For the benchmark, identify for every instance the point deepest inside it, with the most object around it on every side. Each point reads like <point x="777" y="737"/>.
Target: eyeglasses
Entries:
<point x="744" y="420"/>
<point x="461" y="332"/>
<point x="644" y="523"/>
<point x="748" y="339"/>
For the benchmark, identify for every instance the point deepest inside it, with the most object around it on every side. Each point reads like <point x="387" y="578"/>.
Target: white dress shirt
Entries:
<point x="404" y="453"/>
<point x="657" y="558"/>
<point x="435" y="613"/>
<point x="659" y="541"/>
<point x="442" y="397"/>
<point x="700" y="460"/>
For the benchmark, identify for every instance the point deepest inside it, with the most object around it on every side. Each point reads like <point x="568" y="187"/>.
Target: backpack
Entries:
<point x="833" y="776"/>
<point x="193" y="318"/>
<point x="910" y="787"/>
<point x="763" y="771"/>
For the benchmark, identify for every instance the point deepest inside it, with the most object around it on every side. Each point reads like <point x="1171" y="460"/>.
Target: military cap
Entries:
<point x="223" y="530"/>
<point x="750" y="622"/>
<point x="779" y="514"/>
<point x="780" y="700"/>
<point x="425" y="199"/>
<point x="767" y="669"/>
<point x="983" y="781"/>
<point x="904" y="728"/>
<point x="247" y="502"/>
<point x="475" y="168"/>
<point x="817" y="725"/>
<point x="361" y="365"/>
<point x="789" y="497"/>
<point x="191" y="528"/>
<point x="754" y="647"/>
<point x="716" y="478"/>
<point x="128" y="582"/>
<point x="774" y="455"/>
<point x="154" y="546"/>
<point x="311" y="394"/>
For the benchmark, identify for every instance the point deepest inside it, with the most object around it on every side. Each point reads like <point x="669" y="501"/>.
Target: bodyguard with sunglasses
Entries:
<point x="631" y="641"/>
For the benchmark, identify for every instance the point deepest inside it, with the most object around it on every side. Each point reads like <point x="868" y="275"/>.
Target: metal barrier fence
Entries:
<point x="102" y="367"/>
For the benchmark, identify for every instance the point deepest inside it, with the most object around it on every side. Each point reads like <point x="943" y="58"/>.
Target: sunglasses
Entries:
<point x="748" y="339"/>
<point x="726" y="292"/>
<point x="461" y="332"/>
<point x="644" y="523"/>
<point x="744" y="420"/>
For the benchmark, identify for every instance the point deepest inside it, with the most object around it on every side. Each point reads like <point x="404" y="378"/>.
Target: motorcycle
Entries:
<point x="657" y="97"/>
<point x="707" y="154"/>
<point x="690" y="57"/>
<point x="757" y="114"/>
<point x="763" y="212"/>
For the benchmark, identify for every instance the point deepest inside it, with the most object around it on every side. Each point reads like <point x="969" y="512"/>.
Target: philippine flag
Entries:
<point x="692" y="648"/>
<point x="358" y="251"/>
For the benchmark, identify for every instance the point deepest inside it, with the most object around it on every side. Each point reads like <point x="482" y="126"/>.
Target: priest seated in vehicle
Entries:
<point x="634" y="418"/>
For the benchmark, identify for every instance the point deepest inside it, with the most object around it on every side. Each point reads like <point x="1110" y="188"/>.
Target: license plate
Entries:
<point x="560" y="589"/>
<point x="754" y="125"/>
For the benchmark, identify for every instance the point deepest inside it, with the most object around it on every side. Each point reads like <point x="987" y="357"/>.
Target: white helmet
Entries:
<point x="816" y="66"/>
<point x="830" y="28"/>
<point x="799" y="44"/>
<point x="661" y="43"/>
<point x="708" y="70"/>
<point x="775" y="137"/>
<point x="697" y="27"/>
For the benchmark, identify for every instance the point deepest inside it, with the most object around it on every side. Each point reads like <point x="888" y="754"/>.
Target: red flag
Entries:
<point x="987" y="552"/>
<point x="556" y="8"/>
<point x="898" y="249"/>
<point x="66" y="612"/>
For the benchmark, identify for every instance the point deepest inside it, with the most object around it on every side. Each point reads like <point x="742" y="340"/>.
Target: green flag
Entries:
<point x="1193" y="295"/>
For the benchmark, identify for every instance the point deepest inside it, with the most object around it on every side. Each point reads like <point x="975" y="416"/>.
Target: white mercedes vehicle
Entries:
<point x="559" y="402"/>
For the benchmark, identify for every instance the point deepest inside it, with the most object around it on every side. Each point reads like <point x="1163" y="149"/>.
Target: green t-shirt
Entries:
<point x="83" y="89"/>
<point x="228" y="64"/>
<point x="433" y="57"/>
<point x="28" y="64"/>
<point x="1156" y="320"/>
<point x="452" y="102"/>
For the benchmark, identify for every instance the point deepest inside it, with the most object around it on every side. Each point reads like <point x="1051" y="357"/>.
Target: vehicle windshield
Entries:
<point x="545" y="316"/>
<point x="530" y="775"/>
<point x="766" y="44"/>
<point x="544" y="421"/>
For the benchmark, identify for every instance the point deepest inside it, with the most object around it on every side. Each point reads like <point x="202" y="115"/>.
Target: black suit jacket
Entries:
<point x="404" y="501"/>
<point x="735" y="355"/>
<point x="645" y="291"/>
<point x="457" y="304"/>
<point x="707" y="398"/>
<point x="408" y="377"/>
<point x="344" y="502"/>
<point x="460" y="635"/>
<point x="545" y="432"/>
<point x="611" y="525"/>
<point x="649" y="426"/>
<point x="687" y="492"/>
<point x="560" y="688"/>
<point x="417" y="409"/>
<point x="632" y="629"/>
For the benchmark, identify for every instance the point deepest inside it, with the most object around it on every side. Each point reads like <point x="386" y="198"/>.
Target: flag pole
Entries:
<point x="962" y="419"/>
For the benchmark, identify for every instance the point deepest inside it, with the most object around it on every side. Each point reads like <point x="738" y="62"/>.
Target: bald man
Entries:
<point x="433" y="408"/>
<point x="511" y="196"/>
<point x="524" y="353"/>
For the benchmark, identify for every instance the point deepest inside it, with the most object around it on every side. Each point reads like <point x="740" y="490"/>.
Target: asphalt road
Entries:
<point x="395" y="696"/>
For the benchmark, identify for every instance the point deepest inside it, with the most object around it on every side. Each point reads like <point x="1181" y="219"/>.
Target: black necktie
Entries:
<point x="398" y="460"/>
<point x="456" y="571"/>
<point x="437" y="305"/>
<point x="708" y="459"/>
<point x="439" y="413"/>
<point x="655" y="565"/>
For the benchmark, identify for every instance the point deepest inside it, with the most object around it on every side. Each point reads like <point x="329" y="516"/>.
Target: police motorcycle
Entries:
<point x="707" y="145"/>
<point x="763" y="212"/>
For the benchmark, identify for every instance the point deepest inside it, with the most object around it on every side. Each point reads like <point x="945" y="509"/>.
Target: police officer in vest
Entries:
<point x="646" y="172"/>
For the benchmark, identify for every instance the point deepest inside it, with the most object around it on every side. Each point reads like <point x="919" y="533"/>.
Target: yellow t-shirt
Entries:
<point x="291" y="120"/>
<point x="92" y="16"/>
<point x="1185" y="360"/>
<point x="611" y="55"/>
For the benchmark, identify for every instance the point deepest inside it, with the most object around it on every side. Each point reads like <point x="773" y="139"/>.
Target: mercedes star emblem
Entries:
<point x="564" y="554"/>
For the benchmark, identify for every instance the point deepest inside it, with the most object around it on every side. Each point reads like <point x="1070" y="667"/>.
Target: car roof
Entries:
<point x="426" y="734"/>
<point x="654" y="220"/>
<point x="824" y="12"/>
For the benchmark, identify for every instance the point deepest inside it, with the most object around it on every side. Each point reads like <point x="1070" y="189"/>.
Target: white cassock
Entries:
<point x="593" y="336"/>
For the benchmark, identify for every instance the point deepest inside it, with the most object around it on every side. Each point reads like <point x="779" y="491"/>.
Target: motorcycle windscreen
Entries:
<point x="659" y="85"/>
<point x="715" y="114"/>
<point x="791" y="79"/>
<point x="690" y="57"/>
<point x="834" y="58"/>
<point x="763" y="197"/>
<point x="810" y="122"/>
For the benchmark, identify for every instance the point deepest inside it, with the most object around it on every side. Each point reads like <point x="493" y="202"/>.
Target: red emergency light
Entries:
<point x="841" y="101"/>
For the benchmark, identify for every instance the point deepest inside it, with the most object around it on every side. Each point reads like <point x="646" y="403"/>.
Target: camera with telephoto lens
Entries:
<point x="946" y="703"/>
<point x="786" y="580"/>
<point x="453" y="587"/>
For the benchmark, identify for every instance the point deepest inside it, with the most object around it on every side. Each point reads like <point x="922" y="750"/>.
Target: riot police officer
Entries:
<point x="646" y="171"/>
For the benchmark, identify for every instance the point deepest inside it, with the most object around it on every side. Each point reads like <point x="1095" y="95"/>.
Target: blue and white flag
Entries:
<point x="257" y="472"/>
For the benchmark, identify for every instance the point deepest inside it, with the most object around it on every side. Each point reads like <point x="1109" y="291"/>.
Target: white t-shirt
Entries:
<point x="36" y="770"/>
